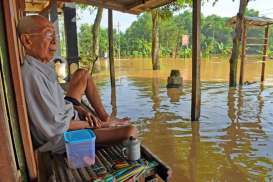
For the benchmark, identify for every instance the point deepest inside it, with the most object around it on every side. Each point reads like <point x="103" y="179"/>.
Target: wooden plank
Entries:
<point x="8" y="170"/>
<point x="163" y="170"/>
<point x="111" y="48"/>
<point x="18" y="86"/>
<point x="243" y="55"/>
<point x="196" y="49"/>
<point x="10" y="100"/>
<point x="266" y="35"/>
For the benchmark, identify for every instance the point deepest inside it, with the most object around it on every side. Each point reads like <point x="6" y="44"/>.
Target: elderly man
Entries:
<point x="50" y="112"/>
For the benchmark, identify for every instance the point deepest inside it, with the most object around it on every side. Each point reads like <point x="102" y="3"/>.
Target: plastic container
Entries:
<point x="80" y="147"/>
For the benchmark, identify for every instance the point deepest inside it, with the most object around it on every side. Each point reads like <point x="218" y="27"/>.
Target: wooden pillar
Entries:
<point x="8" y="169"/>
<point x="54" y="19"/>
<point x="14" y="62"/>
<point x="243" y="55"/>
<point x="111" y="48"/>
<point x="196" y="95"/>
<point x="70" y="27"/>
<point x="266" y="33"/>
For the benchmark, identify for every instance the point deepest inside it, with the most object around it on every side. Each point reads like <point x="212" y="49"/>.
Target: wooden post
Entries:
<point x="111" y="48"/>
<point x="196" y="96"/>
<point x="8" y="170"/>
<point x="70" y="27"/>
<point x="54" y="19"/>
<point x="243" y="54"/>
<point x="18" y="86"/>
<point x="9" y="95"/>
<point x="266" y="33"/>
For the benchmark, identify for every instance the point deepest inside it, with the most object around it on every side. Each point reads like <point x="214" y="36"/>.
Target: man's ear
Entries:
<point x="26" y="41"/>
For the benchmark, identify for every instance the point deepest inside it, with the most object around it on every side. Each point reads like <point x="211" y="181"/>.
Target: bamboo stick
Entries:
<point x="84" y="174"/>
<point x="106" y="163"/>
<point x="91" y="172"/>
<point x="74" y="172"/>
<point x="107" y="156"/>
<point x="116" y="157"/>
<point x="60" y="169"/>
<point x="98" y="161"/>
<point x="98" y="169"/>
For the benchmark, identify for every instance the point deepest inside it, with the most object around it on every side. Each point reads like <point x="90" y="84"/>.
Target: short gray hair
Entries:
<point x="28" y="24"/>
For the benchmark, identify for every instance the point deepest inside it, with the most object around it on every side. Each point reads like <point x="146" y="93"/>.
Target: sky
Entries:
<point x="224" y="8"/>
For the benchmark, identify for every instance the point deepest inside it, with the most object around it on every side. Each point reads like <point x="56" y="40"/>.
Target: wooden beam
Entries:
<point x="14" y="58"/>
<point x="114" y="5"/>
<point x="111" y="48"/>
<point x="196" y="95"/>
<point x="243" y="54"/>
<point x="35" y="7"/>
<point x="266" y="35"/>
<point x="141" y="5"/>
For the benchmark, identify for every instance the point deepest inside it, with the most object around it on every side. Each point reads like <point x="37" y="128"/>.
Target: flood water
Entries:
<point x="233" y="141"/>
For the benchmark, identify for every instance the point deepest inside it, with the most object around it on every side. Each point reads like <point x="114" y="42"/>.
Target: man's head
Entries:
<point x="37" y="35"/>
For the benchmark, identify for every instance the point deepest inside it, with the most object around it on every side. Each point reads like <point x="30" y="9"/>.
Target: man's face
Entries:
<point x="41" y="43"/>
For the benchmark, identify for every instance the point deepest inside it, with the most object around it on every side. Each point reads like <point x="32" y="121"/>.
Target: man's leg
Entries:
<point x="114" y="135"/>
<point x="82" y="83"/>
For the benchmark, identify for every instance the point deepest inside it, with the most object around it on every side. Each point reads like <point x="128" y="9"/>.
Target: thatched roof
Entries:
<point x="128" y="6"/>
<point x="253" y="21"/>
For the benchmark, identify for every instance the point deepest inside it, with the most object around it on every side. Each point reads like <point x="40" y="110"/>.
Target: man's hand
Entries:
<point x="93" y="120"/>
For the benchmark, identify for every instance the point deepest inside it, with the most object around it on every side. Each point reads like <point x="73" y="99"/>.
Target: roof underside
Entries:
<point x="127" y="6"/>
<point x="253" y="21"/>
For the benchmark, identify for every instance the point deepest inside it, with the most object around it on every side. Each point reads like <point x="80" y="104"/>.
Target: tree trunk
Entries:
<point x="96" y="32"/>
<point x="236" y="44"/>
<point x="96" y="39"/>
<point x="155" y="41"/>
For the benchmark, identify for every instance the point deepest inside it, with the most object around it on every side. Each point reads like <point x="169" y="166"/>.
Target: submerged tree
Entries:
<point x="236" y="43"/>
<point x="96" y="32"/>
<point x="155" y="40"/>
<point x="162" y="13"/>
<point x="94" y="51"/>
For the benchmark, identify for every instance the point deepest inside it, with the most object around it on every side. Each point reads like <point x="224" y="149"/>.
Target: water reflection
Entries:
<point x="114" y="102"/>
<point x="174" y="94"/>
<point x="233" y="140"/>
<point x="194" y="151"/>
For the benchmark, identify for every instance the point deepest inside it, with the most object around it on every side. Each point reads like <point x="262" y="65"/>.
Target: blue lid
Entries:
<point x="77" y="136"/>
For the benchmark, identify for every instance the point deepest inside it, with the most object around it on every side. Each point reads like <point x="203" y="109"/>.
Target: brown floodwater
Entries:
<point x="233" y="141"/>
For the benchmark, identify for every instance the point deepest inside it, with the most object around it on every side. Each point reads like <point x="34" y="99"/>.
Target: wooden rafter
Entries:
<point x="104" y="4"/>
<point x="129" y="6"/>
<point x="36" y="7"/>
<point x="142" y="5"/>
